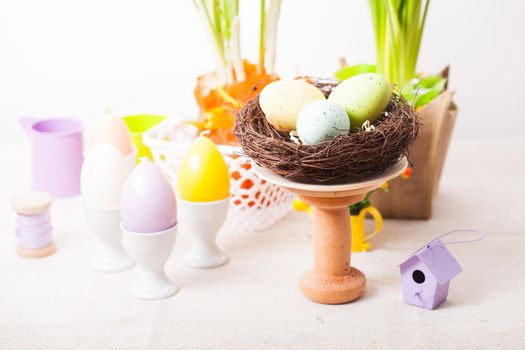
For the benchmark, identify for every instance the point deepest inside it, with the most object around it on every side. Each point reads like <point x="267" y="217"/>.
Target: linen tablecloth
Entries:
<point x="254" y="302"/>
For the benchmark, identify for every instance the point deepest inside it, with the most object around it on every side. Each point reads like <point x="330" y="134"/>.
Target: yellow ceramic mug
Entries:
<point x="357" y="224"/>
<point x="359" y="240"/>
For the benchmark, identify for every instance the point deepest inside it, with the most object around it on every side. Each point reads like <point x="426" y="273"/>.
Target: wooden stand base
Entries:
<point x="333" y="280"/>
<point x="333" y="289"/>
<point x="37" y="253"/>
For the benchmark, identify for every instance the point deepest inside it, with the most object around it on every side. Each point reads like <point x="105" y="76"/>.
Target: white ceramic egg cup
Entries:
<point x="105" y="224"/>
<point x="202" y="220"/>
<point x="131" y="159"/>
<point x="151" y="250"/>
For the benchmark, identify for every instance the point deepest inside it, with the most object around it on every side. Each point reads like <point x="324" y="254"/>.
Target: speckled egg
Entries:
<point x="321" y="121"/>
<point x="282" y="100"/>
<point x="364" y="97"/>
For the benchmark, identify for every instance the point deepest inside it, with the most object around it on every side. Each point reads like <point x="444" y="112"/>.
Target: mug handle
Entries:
<point x="27" y="123"/>
<point x="378" y="219"/>
<point x="299" y="205"/>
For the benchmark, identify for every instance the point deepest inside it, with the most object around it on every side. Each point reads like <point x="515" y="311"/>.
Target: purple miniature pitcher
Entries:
<point x="57" y="154"/>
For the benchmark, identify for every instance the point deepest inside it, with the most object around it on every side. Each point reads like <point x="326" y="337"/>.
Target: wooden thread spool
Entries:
<point x="34" y="231"/>
<point x="333" y="280"/>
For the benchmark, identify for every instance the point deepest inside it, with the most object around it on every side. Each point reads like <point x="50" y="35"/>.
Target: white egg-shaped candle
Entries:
<point x="103" y="176"/>
<point x="321" y="121"/>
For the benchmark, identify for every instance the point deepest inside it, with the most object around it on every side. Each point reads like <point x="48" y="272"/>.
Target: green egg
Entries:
<point x="364" y="97"/>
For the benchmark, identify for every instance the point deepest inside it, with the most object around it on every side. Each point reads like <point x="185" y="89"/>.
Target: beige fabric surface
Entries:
<point x="254" y="302"/>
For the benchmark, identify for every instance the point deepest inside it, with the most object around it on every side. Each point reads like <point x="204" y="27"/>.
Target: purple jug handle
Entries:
<point x="27" y="123"/>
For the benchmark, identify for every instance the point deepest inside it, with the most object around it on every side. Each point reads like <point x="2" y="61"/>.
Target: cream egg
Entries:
<point x="282" y="100"/>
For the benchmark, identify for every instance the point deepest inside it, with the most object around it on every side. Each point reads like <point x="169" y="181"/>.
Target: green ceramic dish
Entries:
<point x="138" y="124"/>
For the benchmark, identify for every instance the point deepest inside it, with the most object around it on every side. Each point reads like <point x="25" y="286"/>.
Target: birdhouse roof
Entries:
<point x="439" y="261"/>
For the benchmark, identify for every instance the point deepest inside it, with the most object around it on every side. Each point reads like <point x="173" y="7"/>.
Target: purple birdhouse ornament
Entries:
<point x="426" y="275"/>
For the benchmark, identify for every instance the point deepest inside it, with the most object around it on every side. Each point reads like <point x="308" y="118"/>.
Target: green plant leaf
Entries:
<point x="398" y="29"/>
<point x="350" y="71"/>
<point x="426" y="97"/>
<point x="430" y="81"/>
<point x="355" y="209"/>
<point x="423" y="90"/>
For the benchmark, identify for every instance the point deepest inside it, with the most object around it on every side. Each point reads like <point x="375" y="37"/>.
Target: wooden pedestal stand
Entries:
<point x="333" y="280"/>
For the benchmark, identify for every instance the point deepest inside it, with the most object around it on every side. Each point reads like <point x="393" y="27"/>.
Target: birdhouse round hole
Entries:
<point x="418" y="276"/>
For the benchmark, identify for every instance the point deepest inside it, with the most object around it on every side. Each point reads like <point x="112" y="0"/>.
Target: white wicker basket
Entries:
<point x="255" y="204"/>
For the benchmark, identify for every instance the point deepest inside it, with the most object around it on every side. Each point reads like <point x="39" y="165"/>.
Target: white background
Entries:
<point x="79" y="58"/>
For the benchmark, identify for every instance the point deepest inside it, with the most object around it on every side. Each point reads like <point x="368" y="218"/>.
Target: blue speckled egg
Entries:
<point x="321" y="121"/>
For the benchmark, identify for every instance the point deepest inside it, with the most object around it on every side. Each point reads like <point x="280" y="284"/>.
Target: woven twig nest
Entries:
<point x="349" y="157"/>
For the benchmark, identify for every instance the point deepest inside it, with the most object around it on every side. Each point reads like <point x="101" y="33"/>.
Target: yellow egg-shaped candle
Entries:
<point x="203" y="174"/>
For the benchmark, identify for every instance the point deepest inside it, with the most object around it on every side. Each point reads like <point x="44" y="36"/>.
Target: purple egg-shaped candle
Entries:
<point x="148" y="202"/>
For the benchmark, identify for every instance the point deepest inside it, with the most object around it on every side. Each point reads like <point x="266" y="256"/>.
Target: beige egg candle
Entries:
<point x="203" y="185"/>
<point x="113" y="131"/>
<point x="103" y="175"/>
